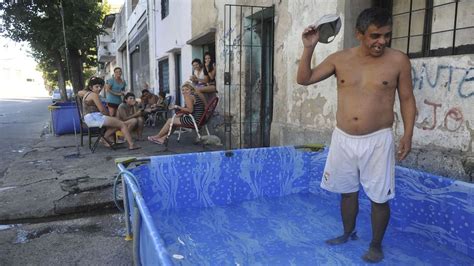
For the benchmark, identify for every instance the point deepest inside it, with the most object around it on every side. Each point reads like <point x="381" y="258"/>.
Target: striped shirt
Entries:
<point x="198" y="112"/>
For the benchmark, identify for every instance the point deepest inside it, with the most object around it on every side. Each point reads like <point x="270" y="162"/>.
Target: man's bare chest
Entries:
<point x="367" y="76"/>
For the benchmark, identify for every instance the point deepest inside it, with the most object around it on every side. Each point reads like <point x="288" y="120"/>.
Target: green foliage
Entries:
<point x="39" y="23"/>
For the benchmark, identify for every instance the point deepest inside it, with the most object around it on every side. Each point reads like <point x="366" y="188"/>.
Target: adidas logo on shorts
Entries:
<point x="326" y="176"/>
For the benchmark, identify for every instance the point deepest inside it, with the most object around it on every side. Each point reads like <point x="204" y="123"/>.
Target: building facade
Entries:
<point x="257" y="46"/>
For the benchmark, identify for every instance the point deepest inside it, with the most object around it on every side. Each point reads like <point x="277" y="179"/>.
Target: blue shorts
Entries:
<point x="94" y="119"/>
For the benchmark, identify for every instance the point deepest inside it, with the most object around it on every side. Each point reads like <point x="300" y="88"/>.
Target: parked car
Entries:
<point x="56" y="96"/>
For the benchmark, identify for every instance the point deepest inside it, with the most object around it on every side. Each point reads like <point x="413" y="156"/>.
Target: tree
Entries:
<point x="40" y="23"/>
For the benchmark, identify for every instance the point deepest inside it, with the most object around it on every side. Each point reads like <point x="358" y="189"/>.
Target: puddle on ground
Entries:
<point x="122" y="232"/>
<point x="40" y="163"/>
<point x="6" y="226"/>
<point x="22" y="150"/>
<point x="5" y="188"/>
<point x="23" y="236"/>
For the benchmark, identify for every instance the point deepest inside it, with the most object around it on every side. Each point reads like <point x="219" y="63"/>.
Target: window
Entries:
<point x="165" y="8"/>
<point x="423" y="28"/>
<point x="134" y="4"/>
<point x="163" y="74"/>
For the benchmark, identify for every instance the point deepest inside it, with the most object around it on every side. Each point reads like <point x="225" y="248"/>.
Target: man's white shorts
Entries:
<point x="367" y="159"/>
<point x="95" y="119"/>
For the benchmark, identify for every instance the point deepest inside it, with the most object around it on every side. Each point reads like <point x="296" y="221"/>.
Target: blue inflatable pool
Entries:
<point x="265" y="207"/>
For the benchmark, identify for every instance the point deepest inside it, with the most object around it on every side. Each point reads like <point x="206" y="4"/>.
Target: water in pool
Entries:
<point x="286" y="231"/>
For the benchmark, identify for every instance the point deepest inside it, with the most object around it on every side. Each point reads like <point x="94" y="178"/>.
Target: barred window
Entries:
<point x="163" y="74"/>
<point x="423" y="28"/>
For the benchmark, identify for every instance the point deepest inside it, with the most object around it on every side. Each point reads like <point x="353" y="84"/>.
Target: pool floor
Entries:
<point x="286" y="231"/>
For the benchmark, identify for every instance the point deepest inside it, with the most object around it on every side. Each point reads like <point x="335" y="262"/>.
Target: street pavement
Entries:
<point x="57" y="199"/>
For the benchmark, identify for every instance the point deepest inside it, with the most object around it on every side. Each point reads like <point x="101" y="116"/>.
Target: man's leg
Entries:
<point x="140" y="125"/>
<point x="380" y="217"/>
<point x="349" y="211"/>
<point x="131" y="124"/>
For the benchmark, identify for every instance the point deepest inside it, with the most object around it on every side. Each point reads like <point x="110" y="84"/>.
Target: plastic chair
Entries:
<point x="90" y="131"/>
<point x="197" y="125"/>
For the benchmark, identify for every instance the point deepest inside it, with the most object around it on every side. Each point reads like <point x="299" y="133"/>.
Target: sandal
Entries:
<point x="154" y="140"/>
<point x="105" y="143"/>
<point x="134" y="148"/>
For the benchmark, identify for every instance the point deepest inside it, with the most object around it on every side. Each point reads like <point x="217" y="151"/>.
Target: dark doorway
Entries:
<point x="248" y="75"/>
<point x="163" y="75"/>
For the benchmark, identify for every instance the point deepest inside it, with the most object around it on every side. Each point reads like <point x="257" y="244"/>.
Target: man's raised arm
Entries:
<point x="306" y="75"/>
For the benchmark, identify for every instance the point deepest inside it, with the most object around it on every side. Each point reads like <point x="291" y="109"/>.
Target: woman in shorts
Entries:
<point x="95" y="114"/>
<point x="115" y="90"/>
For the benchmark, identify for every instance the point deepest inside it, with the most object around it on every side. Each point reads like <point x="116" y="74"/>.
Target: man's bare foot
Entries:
<point x="374" y="254"/>
<point x="342" y="239"/>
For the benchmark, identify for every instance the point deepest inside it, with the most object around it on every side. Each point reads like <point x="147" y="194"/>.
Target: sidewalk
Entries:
<point x="58" y="209"/>
<point x="50" y="180"/>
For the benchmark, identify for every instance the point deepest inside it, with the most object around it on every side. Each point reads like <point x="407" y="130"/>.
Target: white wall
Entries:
<point x="136" y="14"/>
<point x="172" y="33"/>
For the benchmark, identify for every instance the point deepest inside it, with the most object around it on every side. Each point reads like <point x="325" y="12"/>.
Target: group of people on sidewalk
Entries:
<point x="123" y="112"/>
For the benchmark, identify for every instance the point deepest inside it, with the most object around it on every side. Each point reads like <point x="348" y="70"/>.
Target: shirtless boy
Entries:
<point x="362" y="146"/>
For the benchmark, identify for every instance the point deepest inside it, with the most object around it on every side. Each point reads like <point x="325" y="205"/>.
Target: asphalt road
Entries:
<point x="22" y="122"/>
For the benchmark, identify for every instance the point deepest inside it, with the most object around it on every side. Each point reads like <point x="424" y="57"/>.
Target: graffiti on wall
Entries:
<point x="437" y="113"/>
<point x="230" y="44"/>
<point x="452" y="119"/>
<point x="461" y="78"/>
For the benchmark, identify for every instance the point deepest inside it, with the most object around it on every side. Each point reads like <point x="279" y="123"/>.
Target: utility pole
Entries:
<point x="61" y="11"/>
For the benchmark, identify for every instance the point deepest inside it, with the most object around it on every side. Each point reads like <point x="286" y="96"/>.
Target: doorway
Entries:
<point x="248" y="75"/>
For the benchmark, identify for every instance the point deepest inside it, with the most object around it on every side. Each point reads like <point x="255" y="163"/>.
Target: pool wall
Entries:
<point x="439" y="208"/>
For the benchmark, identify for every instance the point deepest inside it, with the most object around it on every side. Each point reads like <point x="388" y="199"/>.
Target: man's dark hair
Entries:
<point x="373" y="16"/>
<point x="145" y="91"/>
<point x="117" y="68"/>
<point x="94" y="81"/>
<point x="162" y="94"/>
<point x="196" y="60"/>
<point x="128" y="95"/>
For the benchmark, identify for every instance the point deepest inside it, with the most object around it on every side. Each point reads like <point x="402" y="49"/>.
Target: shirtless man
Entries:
<point x="362" y="146"/>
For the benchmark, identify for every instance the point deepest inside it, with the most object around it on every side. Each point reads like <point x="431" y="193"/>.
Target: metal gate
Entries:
<point x="248" y="75"/>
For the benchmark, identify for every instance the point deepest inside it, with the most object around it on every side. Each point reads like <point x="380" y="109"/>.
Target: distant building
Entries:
<point x="18" y="73"/>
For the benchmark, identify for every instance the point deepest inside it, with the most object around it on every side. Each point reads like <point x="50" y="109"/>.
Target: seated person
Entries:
<point x="195" y="105"/>
<point x="200" y="76"/>
<point x="160" y="103"/>
<point x="148" y="99"/>
<point x="95" y="114"/>
<point x="129" y="113"/>
<point x="210" y="68"/>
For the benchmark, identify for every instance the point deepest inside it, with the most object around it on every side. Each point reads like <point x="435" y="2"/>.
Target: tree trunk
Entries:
<point x="77" y="75"/>
<point x="61" y="76"/>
